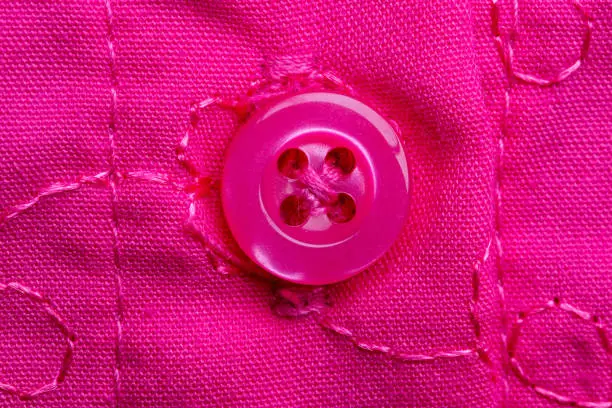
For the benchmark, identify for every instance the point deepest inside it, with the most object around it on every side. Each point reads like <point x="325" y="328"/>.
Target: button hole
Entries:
<point x="295" y="210"/>
<point x="292" y="163"/>
<point x="343" y="209"/>
<point x="342" y="159"/>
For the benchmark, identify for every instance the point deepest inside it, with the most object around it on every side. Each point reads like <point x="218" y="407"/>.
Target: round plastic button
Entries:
<point x="315" y="187"/>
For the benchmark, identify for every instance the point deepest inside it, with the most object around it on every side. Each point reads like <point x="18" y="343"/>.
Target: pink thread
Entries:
<point x="152" y="177"/>
<point x="265" y="89"/>
<point x="297" y="301"/>
<point x="112" y="183"/>
<point x="291" y="304"/>
<point x="506" y="51"/>
<point x="59" y="322"/>
<point x="395" y="354"/>
<point x="507" y="56"/>
<point x="520" y="373"/>
<point x="198" y="235"/>
<point x="259" y="91"/>
<point x="194" y="118"/>
<point x="474" y="303"/>
<point x="202" y="186"/>
<point x="498" y="197"/>
<point x="318" y="185"/>
<point x="279" y="67"/>
<point x="498" y="241"/>
<point x="51" y="190"/>
<point x="318" y="190"/>
<point x="100" y="179"/>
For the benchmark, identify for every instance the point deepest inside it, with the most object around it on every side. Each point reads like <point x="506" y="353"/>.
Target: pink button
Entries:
<point x="315" y="187"/>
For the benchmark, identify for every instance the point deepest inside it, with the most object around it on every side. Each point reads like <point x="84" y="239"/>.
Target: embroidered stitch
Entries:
<point x="520" y="373"/>
<point x="203" y="185"/>
<point x="59" y="322"/>
<point x="112" y="184"/>
<point x="297" y="301"/>
<point x="261" y="91"/>
<point x="474" y="303"/>
<point x="506" y="52"/>
<point x="51" y="190"/>
<point x="395" y="354"/>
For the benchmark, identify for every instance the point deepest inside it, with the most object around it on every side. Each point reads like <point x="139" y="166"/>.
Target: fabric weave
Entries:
<point x="160" y="321"/>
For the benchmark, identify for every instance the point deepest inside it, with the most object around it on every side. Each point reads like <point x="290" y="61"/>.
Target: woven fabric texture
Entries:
<point x="496" y="294"/>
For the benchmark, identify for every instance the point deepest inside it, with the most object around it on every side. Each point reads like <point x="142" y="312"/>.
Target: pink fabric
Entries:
<point x="95" y="97"/>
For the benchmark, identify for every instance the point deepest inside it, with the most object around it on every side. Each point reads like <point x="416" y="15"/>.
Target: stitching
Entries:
<point x="480" y="351"/>
<point x="201" y="187"/>
<point x="498" y="199"/>
<point x="520" y="373"/>
<point x="51" y="190"/>
<point x="112" y="184"/>
<point x="483" y="352"/>
<point x="318" y="187"/>
<point x="101" y="179"/>
<point x="259" y="92"/>
<point x="60" y="323"/>
<point x="278" y="67"/>
<point x="152" y="177"/>
<point x="474" y="311"/>
<point x="506" y="51"/>
<point x="192" y="229"/>
<point x="297" y="301"/>
<point x="395" y="354"/>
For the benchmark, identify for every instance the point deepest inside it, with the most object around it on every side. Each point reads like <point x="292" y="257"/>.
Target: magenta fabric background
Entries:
<point x="96" y="86"/>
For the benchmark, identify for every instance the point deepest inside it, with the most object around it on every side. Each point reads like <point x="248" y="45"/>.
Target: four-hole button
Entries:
<point x="315" y="187"/>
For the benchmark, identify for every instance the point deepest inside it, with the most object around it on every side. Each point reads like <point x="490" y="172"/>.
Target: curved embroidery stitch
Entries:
<point x="66" y="332"/>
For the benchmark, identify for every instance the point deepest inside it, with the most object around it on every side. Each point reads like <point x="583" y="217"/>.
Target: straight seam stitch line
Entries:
<point x="112" y="183"/>
<point x="498" y="197"/>
<point x="498" y="200"/>
<point x="498" y="240"/>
